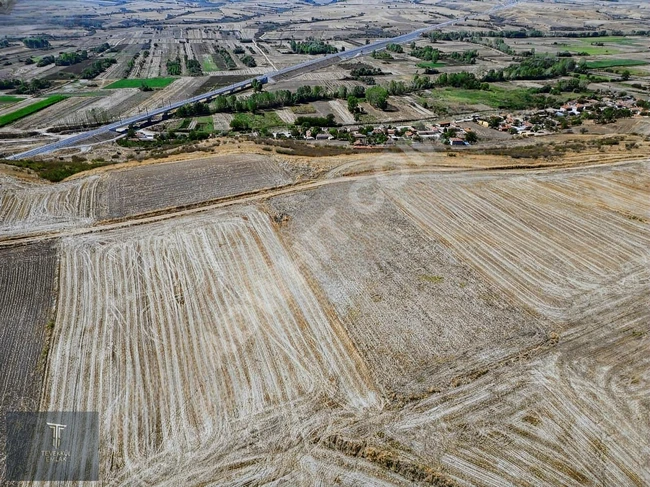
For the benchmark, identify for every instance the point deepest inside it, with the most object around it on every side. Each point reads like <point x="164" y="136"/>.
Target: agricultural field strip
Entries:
<point x="10" y="99"/>
<point x="578" y="416"/>
<point x="520" y="221"/>
<point x="98" y="109"/>
<point x="34" y="208"/>
<point x="209" y="296"/>
<point x="50" y="115"/>
<point x="137" y="83"/>
<point x="396" y="289"/>
<point x="8" y="108"/>
<point x="342" y="112"/>
<point x="28" y="207"/>
<point x="290" y="188"/>
<point x="27" y="283"/>
<point x="172" y="93"/>
<point x="414" y="105"/>
<point x="26" y="111"/>
<point x="130" y="103"/>
<point x="221" y="121"/>
<point x="159" y="186"/>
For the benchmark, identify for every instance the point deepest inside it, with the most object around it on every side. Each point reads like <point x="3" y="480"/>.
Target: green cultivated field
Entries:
<point x="495" y="97"/>
<point x="610" y="45"/>
<point x="29" y="109"/>
<point x="430" y="64"/>
<point x="264" y="120"/>
<point x="613" y="40"/>
<point x="9" y="99"/>
<point x="610" y="63"/>
<point x="155" y="83"/>
<point x="592" y="50"/>
<point x="77" y="94"/>
<point x="205" y="124"/>
<point x="208" y="63"/>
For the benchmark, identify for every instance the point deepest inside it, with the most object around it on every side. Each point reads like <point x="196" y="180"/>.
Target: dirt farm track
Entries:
<point x="250" y="320"/>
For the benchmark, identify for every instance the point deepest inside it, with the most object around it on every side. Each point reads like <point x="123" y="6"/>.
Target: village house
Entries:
<point x="457" y="141"/>
<point x="144" y="134"/>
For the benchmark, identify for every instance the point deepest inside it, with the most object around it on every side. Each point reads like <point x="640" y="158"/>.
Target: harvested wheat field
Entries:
<point x="531" y="235"/>
<point x="393" y="328"/>
<point x="27" y="207"/>
<point x="159" y="186"/>
<point x="419" y="316"/>
<point x="184" y="334"/>
<point x="576" y="416"/>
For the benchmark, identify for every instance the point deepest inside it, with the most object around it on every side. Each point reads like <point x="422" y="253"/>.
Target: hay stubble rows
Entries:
<point x="447" y="329"/>
<point x="188" y="329"/>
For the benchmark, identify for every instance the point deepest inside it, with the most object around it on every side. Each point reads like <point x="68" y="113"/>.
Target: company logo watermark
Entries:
<point x="52" y="446"/>
<point x="56" y="433"/>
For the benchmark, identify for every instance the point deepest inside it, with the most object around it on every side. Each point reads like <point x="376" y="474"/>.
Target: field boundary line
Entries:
<point x="274" y="191"/>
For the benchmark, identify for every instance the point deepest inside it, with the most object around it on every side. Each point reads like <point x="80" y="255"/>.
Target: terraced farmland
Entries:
<point x="185" y="333"/>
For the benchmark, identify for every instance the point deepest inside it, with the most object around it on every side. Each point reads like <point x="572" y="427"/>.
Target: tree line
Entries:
<point x="36" y="43"/>
<point x="97" y="67"/>
<point x="264" y="100"/>
<point x="523" y="34"/>
<point x="428" y="53"/>
<point x="63" y="59"/>
<point x="312" y="46"/>
<point x="25" y="87"/>
<point x="537" y="67"/>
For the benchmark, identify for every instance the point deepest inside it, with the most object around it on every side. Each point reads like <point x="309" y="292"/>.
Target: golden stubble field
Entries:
<point x="420" y="325"/>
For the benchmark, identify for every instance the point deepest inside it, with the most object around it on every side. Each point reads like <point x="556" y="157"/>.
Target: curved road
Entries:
<point x="314" y="63"/>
